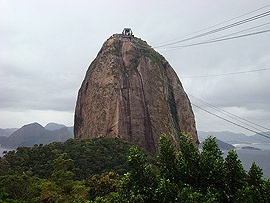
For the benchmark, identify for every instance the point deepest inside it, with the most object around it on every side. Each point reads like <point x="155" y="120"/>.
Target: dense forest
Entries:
<point x="112" y="170"/>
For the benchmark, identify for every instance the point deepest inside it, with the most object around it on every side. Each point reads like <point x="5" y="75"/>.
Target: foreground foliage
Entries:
<point x="186" y="175"/>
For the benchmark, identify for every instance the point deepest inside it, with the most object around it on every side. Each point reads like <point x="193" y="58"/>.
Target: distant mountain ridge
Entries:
<point x="34" y="133"/>
<point x="7" y="132"/>
<point x="4" y="133"/>
<point x="54" y="126"/>
<point x="222" y="145"/>
<point x="233" y="138"/>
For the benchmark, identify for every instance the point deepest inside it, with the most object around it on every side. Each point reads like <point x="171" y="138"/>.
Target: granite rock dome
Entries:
<point x="131" y="92"/>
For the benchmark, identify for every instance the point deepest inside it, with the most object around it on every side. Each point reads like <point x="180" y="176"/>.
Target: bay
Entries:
<point x="260" y="157"/>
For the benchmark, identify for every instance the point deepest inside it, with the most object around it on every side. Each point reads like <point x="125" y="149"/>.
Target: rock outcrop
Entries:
<point x="131" y="92"/>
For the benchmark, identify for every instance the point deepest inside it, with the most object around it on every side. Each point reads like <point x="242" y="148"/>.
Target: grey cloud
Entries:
<point x="46" y="48"/>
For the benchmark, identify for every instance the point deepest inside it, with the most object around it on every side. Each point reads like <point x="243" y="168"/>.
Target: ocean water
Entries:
<point x="260" y="157"/>
<point x="247" y="157"/>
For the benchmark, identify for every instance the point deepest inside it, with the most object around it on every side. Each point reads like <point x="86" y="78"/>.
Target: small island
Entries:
<point x="250" y="148"/>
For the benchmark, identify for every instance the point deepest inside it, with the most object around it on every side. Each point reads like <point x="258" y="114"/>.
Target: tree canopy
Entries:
<point x="118" y="171"/>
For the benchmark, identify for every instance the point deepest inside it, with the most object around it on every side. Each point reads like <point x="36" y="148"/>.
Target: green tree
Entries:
<point x="4" y="197"/>
<point x="235" y="176"/>
<point x="101" y="185"/>
<point x="62" y="175"/>
<point x="212" y="170"/>
<point x="4" y="166"/>
<point x="189" y="195"/>
<point x="189" y="161"/>
<point x="141" y="181"/>
<point x="254" y="176"/>
<point x="60" y="187"/>
<point x="167" y="159"/>
<point x="16" y="186"/>
<point x="256" y="189"/>
<point x="44" y="190"/>
<point x="169" y="174"/>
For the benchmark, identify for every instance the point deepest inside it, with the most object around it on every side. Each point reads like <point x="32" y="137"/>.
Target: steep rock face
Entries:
<point x="131" y="92"/>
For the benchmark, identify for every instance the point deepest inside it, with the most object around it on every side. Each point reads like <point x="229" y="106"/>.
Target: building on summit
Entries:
<point x="127" y="32"/>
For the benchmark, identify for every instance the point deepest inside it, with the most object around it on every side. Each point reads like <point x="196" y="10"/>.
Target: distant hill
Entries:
<point x="2" y="139"/>
<point x="222" y="145"/>
<point x="7" y="132"/>
<point x="54" y="126"/>
<point x="231" y="137"/>
<point x="224" y="136"/>
<point x="71" y="129"/>
<point x="259" y="138"/>
<point x="34" y="133"/>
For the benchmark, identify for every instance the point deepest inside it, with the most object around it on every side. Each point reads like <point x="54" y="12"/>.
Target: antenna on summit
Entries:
<point x="127" y="32"/>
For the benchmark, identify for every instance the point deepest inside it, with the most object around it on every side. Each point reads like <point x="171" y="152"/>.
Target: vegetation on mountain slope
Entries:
<point x="187" y="175"/>
<point x="90" y="156"/>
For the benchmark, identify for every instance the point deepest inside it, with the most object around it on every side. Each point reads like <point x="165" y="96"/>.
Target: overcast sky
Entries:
<point x="47" y="46"/>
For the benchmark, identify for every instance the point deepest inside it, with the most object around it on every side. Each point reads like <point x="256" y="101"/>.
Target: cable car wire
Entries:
<point x="218" y="40"/>
<point x="229" y="121"/>
<point x="267" y="13"/>
<point x="231" y="115"/>
<point x="215" y="25"/>
<point x="225" y="74"/>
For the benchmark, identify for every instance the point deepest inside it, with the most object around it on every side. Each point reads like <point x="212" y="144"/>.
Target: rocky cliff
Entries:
<point x="131" y="92"/>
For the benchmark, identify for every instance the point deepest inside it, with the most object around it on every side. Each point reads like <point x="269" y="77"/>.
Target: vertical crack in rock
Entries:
<point x="150" y="144"/>
<point x="125" y="94"/>
<point x="173" y="108"/>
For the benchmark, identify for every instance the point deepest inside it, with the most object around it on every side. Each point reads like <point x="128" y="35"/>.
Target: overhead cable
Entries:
<point x="216" y="24"/>
<point x="218" y="40"/>
<point x="231" y="121"/>
<point x="267" y="13"/>
<point x="224" y="74"/>
<point x="231" y="115"/>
